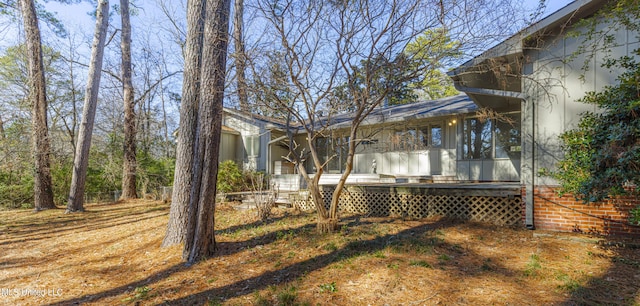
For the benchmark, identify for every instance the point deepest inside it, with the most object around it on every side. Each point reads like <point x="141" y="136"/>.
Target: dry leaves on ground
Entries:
<point x="111" y="255"/>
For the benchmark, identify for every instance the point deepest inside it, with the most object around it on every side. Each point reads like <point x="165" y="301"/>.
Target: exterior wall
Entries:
<point x="566" y="214"/>
<point x="249" y="129"/>
<point x="424" y="162"/>
<point x="494" y="170"/>
<point x="229" y="148"/>
<point x="552" y="82"/>
<point x="555" y="81"/>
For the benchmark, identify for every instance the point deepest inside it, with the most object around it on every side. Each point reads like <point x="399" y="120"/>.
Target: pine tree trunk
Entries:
<point x="2" y="135"/>
<point x="200" y="239"/>
<point x="43" y="187"/>
<point x="240" y="56"/>
<point x="129" y="162"/>
<point x="81" y="160"/>
<point x="177" y="227"/>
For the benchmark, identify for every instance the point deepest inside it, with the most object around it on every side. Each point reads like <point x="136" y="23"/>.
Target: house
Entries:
<point x="412" y="140"/>
<point x="538" y="73"/>
<point x="529" y="83"/>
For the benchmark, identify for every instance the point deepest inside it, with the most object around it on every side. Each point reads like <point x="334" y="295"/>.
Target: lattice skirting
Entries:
<point x="499" y="210"/>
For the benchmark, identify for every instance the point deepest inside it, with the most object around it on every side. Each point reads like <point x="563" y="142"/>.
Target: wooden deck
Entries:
<point x="501" y="189"/>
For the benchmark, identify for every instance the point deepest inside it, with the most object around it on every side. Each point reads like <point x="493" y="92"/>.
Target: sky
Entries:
<point x="551" y="5"/>
<point x="77" y="16"/>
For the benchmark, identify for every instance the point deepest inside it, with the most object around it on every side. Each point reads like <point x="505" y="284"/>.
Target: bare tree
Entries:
<point x="180" y="198"/>
<point x="81" y="160"/>
<point x="359" y="45"/>
<point x="43" y="187"/>
<point x="129" y="162"/>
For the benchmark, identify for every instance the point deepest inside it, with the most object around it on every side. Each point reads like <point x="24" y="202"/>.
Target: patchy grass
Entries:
<point x="111" y="255"/>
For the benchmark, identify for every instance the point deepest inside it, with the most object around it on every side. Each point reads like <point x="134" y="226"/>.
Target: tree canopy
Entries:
<point x="413" y="74"/>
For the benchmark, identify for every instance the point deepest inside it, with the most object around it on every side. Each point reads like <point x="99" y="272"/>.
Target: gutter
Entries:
<point x="490" y="92"/>
<point x="269" y="152"/>
<point x="277" y="139"/>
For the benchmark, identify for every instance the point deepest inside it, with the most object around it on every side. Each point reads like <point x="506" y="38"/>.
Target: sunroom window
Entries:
<point x="508" y="137"/>
<point x="492" y="138"/>
<point x="477" y="138"/>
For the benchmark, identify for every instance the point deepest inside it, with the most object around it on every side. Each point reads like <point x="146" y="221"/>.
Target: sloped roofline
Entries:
<point x="269" y="122"/>
<point x="454" y="105"/>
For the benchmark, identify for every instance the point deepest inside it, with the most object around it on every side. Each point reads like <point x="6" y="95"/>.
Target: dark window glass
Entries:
<point x="477" y="138"/>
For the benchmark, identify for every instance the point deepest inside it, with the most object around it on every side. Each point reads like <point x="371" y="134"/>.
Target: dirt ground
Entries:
<point x="111" y="255"/>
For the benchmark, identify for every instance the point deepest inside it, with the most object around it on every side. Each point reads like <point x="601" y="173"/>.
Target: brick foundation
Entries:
<point x="566" y="214"/>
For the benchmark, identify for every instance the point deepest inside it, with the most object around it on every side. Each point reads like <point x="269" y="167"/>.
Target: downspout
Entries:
<point x="530" y="194"/>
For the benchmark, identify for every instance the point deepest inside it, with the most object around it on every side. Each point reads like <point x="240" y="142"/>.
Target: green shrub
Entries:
<point x="230" y="178"/>
<point x="634" y="217"/>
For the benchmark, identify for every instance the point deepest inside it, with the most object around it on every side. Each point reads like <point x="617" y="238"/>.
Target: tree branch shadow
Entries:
<point x="608" y="289"/>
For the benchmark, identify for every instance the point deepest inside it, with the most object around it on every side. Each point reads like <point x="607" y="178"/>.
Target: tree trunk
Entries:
<point x="325" y="223"/>
<point x="200" y="239"/>
<point x="165" y="128"/>
<point x="43" y="187"/>
<point x="240" y="56"/>
<point x="81" y="160"/>
<point x="177" y="227"/>
<point x="2" y="135"/>
<point x="129" y="162"/>
<point x="337" y="192"/>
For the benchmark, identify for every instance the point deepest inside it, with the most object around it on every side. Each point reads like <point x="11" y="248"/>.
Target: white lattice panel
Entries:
<point x="498" y="210"/>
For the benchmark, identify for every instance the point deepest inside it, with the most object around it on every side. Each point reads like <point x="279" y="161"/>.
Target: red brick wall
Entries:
<point x="566" y="214"/>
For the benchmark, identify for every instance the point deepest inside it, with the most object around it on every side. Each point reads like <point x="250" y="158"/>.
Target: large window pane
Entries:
<point x="436" y="136"/>
<point x="477" y="138"/>
<point x="405" y="140"/>
<point x="252" y="145"/>
<point x="508" y="137"/>
<point x="340" y="149"/>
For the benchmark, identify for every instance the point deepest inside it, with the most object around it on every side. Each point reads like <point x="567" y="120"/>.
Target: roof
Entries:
<point x="226" y="129"/>
<point x="460" y="104"/>
<point x="270" y="122"/>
